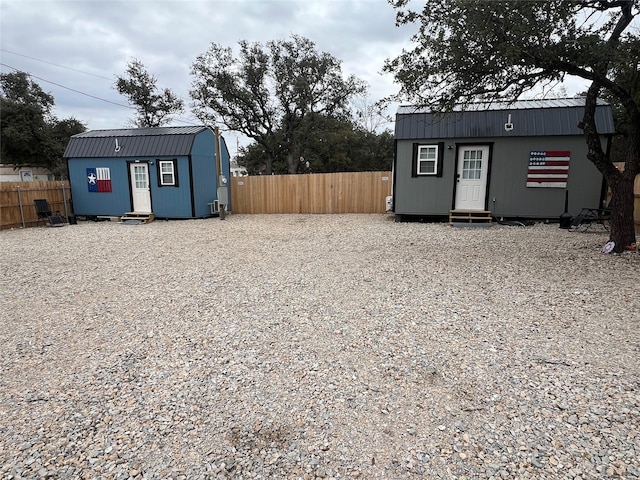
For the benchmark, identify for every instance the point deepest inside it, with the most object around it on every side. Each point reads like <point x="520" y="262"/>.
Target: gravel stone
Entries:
<point x="317" y="346"/>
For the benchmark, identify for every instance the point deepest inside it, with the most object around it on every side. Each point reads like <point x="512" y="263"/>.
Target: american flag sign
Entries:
<point x="548" y="168"/>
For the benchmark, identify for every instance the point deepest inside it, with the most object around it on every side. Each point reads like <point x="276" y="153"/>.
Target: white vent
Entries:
<point x="508" y="126"/>
<point x="215" y="207"/>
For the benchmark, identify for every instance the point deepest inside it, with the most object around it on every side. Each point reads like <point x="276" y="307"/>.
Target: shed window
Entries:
<point x="167" y="173"/>
<point x="472" y="165"/>
<point x="427" y="159"/>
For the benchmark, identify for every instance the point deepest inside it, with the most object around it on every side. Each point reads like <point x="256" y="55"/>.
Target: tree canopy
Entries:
<point x="154" y="107"/>
<point x="331" y="145"/>
<point x="271" y="93"/>
<point x="468" y="50"/>
<point x="627" y="74"/>
<point x="30" y="133"/>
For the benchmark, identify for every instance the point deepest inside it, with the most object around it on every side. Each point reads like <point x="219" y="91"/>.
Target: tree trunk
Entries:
<point x="622" y="219"/>
<point x="620" y="183"/>
<point x="292" y="162"/>
<point x="621" y="204"/>
<point x="268" y="165"/>
<point x="293" y="157"/>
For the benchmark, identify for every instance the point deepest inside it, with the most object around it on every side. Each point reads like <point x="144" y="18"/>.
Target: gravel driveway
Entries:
<point x="302" y="346"/>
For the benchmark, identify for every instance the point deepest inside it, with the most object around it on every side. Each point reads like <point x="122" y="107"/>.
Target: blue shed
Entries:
<point x="170" y="172"/>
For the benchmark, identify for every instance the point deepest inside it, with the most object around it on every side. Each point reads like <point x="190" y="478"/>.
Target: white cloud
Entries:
<point x="98" y="38"/>
<point x="101" y="37"/>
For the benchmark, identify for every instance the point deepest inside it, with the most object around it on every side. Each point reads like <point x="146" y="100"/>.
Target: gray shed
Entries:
<point x="497" y="160"/>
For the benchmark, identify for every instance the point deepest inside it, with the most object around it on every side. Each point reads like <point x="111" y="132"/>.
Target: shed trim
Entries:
<point x="176" y="181"/>
<point x="455" y="170"/>
<point x="191" y="192"/>
<point x="415" y="161"/>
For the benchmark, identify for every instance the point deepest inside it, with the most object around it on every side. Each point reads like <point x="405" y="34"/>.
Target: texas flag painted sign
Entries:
<point x="548" y="168"/>
<point x="99" y="179"/>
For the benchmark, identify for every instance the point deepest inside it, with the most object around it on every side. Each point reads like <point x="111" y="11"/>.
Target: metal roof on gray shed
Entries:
<point x="133" y="142"/>
<point x="528" y="117"/>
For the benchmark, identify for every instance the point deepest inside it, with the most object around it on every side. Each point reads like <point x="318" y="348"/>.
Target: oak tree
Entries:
<point x="270" y="92"/>
<point x="330" y="145"/>
<point x="30" y="134"/>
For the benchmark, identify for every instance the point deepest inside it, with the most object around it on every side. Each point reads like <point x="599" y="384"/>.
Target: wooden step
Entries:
<point x="142" y="217"/>
<point x="470" y="216"/>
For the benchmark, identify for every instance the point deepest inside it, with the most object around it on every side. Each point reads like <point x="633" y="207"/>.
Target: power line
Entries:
<point x="67" y="88"/>
<point x="86" y="94"/>
<point x="55" y="64"/>
<point x="175" y="119"/>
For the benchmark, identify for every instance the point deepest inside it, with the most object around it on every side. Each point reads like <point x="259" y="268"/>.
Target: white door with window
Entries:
<point x="140" y="187"/>
<point x="471" y="177"/>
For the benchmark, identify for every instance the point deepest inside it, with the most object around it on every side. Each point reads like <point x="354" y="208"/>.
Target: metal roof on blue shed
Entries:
<point x="528" y="117"/>
<point x="133" y="142"/>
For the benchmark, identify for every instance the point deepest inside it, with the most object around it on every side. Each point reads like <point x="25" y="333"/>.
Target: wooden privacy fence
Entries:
<point x="357" y="192"/>
<point x="350" y="192"/>
<point x="16" y="201"/>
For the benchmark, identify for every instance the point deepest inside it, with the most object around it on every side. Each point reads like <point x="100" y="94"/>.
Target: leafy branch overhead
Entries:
<point x="465" y="51"/>
<point x="30" y="134"/>
<point x="468" y="50"/>
<point x="267" y="91"/>
<point x="154" y="108"/>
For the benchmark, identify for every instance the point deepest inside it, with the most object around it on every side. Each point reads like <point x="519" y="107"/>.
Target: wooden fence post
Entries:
<point x="21" y="210"/>
<point x="64" y="199"/>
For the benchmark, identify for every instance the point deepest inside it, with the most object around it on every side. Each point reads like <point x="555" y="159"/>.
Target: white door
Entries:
<point x="471" y="177"/>
<point x="140" y="187"/>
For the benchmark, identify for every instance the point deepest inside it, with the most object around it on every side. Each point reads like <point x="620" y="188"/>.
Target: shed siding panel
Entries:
<point x="116" y="202"/>
<point x="226" y="164"/>
<point x="509" y="172"/>
<point x="205" y="177"/>
<point x="423" y="195"/>
<point x="169" y="201"/>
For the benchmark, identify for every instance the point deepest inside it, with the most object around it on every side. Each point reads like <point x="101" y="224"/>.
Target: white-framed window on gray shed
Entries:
<point x="427" y="159"/>
<point x="167" y="173"/>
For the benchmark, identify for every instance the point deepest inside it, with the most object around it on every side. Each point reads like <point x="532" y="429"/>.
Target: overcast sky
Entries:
<point x="82" y="44"/>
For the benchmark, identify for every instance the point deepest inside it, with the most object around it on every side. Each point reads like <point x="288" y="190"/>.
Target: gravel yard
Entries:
<point x="317" y="346"/>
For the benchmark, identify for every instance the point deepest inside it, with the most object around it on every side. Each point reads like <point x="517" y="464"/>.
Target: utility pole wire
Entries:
<point x="86" y="94"/>
<point x="55" y="64"/>
<point x="67" y="88"/>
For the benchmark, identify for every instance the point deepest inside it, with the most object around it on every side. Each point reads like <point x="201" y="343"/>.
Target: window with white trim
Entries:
<point x="427" y="159"/>
<point x="167" y="172"/>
